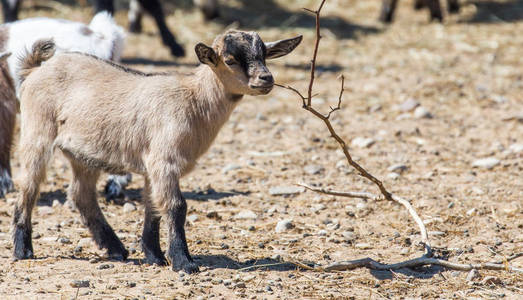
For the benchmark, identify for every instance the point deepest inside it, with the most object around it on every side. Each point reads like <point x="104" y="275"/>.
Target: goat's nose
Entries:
<point x="267" y="77"/>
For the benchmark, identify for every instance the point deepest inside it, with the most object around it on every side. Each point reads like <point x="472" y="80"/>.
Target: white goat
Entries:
<point x="105" y="117"/>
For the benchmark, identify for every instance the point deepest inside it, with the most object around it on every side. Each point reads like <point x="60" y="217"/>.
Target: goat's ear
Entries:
<point x="206" y="54"/>
<point x="282" y="47"/>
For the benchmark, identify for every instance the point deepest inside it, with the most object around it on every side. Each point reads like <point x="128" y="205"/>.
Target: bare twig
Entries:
<point x="424" y="260"/>
<point x="343" y="145"/>
<point x="361" y="195"/>
<point x="417" y="262"/>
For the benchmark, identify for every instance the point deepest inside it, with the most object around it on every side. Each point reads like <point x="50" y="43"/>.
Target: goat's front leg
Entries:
<point x="178" y="251"/>
<point x="151" y="231"/>
<point x="168" y="197"/>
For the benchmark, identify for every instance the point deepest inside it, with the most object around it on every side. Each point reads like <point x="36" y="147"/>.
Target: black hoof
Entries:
<point x="177" y="50"/>
<point x="184" y="263"/>
<point x="117" y="255"/>
<point x="135" y="27"/>
<point x="155" y="260"/>
<point x="6" y="183"/>
<point x="23" y="246"/>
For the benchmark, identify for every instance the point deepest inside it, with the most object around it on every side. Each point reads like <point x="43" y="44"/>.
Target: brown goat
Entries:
<point x="8" y="109"/>
<point x="105" y="117"/>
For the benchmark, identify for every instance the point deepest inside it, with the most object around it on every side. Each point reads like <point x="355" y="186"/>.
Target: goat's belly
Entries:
<point x="97" y="158"/>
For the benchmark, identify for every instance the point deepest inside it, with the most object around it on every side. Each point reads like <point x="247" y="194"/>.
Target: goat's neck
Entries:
<point x="212" y="98"/>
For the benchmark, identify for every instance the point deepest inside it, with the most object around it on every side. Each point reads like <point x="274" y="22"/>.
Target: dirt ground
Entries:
<point x="466" y="74"/>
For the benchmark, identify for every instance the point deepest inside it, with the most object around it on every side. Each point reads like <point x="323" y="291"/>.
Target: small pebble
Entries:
<point x="398" y="168"/>
<point x="473" y="274"/>
<point x="105" y="266"/>
<point x="230" y="167"/>
<point x="322" y="232"/>
<point x="56" y="203"/>
<point x="45" y="210"/>
<point x="393" y="176"/>
<point x="422" y="113"/>
<point x="486" y="163"/>
<point x="84" y="242"/>
<point x="471" y="211"/>
<point x="64" y="240"/>
<point x="363" y="246"/>
<point x="408" y="105"/>
<point x="286" y="190"/>
<point x="246" y="214"/>
<point x="362" y="142"/>
<point x="192" y="218"/>
<point x="284" y="225"/>
<point x="128" y="207"/>
<point x="80" y="283"/>
<point x="313" y="169"/>
<point x="348" y="236"/>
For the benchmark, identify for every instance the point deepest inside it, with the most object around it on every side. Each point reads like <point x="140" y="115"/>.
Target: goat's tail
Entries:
<point x="42" y="50"/>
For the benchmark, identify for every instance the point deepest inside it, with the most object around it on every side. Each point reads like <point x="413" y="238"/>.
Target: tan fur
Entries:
<point x="105" y="117"/>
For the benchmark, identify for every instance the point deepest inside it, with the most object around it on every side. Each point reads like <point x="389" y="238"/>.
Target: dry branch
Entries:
<point x="424" y="260"/>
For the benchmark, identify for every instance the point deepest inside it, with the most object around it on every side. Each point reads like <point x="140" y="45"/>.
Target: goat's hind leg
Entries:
<point x="151" y="231"/>
<point x="35" y="152"/>
<point x="82" y="191"/>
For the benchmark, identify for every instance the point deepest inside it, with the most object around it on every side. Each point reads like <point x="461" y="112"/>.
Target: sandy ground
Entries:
<point x="465" y="73"/>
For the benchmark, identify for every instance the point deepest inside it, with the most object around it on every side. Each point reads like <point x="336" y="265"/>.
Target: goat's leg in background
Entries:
<point x="135" y="16"/>
<point x="453" y="6"/>
<point x="10" y="10"/>
<point x="387" y="10"/>
<point x="154" y="8"/>
<point x="419" y="4"/>
<point x="435" y="10"/>
<point x="8" y="108"/>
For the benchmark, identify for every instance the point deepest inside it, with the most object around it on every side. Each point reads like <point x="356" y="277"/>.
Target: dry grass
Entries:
<point x="466" y="72"/>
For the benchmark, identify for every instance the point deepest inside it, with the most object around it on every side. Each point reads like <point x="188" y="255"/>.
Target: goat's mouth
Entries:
<point x="262" y="89"/>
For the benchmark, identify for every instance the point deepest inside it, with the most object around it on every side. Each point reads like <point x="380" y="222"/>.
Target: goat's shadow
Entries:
<point x="47" y="198"/>
<point x="496" y="12"/>
<point x="198" y="195"/>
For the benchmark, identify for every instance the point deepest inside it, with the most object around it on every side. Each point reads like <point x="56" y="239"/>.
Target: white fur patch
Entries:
<point x="106" y="40"/>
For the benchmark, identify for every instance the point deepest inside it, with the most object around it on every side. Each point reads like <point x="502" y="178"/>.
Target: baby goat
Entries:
<point x="103" y="116"/>
<point x="102" y="37"/>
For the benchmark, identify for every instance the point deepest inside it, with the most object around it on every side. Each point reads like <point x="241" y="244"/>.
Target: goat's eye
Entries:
<point x="230" y="62"/>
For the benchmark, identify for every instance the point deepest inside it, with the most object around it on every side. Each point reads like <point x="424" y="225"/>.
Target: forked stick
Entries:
<point x="424" y="260"/>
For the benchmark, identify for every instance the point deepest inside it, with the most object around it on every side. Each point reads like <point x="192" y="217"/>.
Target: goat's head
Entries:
<point x="238" y="58"/>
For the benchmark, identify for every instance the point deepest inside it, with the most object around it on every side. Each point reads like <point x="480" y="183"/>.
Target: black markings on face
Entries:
<point x="247" y="49"/>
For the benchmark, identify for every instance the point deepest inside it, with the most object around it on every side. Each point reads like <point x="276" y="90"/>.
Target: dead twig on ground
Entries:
<point x="424" y="260"/>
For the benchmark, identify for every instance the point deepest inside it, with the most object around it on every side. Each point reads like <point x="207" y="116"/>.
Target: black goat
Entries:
<point x="389" y="6"/>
